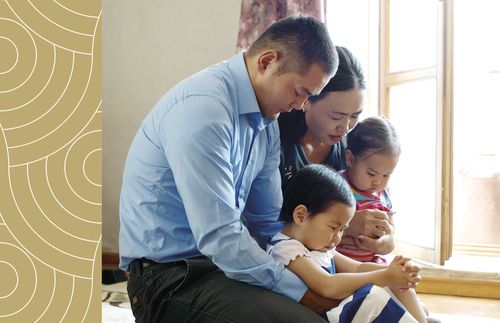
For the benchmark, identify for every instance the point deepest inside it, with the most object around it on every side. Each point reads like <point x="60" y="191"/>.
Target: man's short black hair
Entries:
<point x="300" y="41"/>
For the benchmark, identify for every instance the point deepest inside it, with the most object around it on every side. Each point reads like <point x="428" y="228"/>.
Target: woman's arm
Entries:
<point x="371" y="230"/>
<point x="341" y="285"/>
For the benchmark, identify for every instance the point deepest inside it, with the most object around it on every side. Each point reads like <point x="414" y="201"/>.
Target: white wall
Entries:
<point x="149" y="46"/>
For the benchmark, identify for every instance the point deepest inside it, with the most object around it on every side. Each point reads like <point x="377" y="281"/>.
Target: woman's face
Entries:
<point x="331" y="118"/>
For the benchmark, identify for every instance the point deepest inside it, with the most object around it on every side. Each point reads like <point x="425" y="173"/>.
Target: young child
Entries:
<point x="318" y="205"/>
<point x="372" y="153"/>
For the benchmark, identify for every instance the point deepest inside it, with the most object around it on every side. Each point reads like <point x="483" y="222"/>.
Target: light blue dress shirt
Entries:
<point x="202" y="158"/>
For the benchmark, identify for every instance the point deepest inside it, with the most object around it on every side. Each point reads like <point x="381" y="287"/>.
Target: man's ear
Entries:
<point x="349" y="158"/>
<point x="266" y="58"/>
<point x="300" y="214"/>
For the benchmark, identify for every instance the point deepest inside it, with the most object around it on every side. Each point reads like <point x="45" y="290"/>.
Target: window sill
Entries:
<point x="444" y="281"/>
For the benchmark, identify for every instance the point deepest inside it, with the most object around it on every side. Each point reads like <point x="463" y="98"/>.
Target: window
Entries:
<point x="354" y="25"/>
<point x="409" y="90"/>
<point x="436" y="70"/>
<point x="476" y="133"/>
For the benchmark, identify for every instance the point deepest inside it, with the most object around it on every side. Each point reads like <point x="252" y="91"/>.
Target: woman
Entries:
<point x="316" y="135"/>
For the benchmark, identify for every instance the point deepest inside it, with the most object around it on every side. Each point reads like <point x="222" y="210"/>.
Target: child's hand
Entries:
<point x="402" y="275"/>
<point x="413" y="272"/>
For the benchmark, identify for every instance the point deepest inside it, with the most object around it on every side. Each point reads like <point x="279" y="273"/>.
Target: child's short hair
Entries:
<point x="375" y="135"/>
<point x="317" y="187"/>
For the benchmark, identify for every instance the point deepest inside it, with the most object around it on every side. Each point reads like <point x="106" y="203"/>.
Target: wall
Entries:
<point x="148" y="46"/>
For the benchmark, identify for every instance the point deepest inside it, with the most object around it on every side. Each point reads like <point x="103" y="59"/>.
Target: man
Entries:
<point x="201" y="186"/>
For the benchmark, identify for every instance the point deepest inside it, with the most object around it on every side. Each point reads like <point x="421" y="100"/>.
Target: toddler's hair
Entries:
<point x="317" y="187"/>
<point x="374" y="135"/>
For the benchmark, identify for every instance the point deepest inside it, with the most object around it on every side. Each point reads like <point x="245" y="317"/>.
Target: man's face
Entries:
<point x="282" y="92"/>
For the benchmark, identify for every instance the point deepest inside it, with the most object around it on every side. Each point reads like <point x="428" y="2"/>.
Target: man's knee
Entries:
<point x="234" y="301"/>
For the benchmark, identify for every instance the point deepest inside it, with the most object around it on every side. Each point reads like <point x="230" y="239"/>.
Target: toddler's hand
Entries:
<point x="402" y="274"/>
<point x="413" y="272"/>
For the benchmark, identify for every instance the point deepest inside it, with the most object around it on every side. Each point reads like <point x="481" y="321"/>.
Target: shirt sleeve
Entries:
<point x="288" y="250"/>
<point x="197" y="137"/>
<point x="265" y="197"/>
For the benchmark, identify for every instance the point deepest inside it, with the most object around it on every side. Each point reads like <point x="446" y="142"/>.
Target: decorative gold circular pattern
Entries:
<point x="20" y="263"/>
<point x="10" y="279"/>
<point x="26" y="55"/>
<point x="92" y="167"/>
<point x="9" y="55"/>
<point x="50" y="161"/>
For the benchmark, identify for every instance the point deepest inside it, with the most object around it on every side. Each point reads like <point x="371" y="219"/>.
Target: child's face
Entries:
<point x="323" y="231"/>
<point x="371" y="174"/>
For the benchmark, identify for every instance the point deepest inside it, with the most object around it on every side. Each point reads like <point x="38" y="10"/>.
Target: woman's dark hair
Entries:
<point x="375" y="135"/>
<point x="349" y="76"/>
<point x="317" y="187"/>
<point x="301" y="41"/>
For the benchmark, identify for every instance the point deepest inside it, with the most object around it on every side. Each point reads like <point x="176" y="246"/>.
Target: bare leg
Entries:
<point x="410" y="301"/>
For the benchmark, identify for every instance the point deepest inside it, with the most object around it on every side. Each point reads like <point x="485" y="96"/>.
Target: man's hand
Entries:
<point x="317" y="303"/>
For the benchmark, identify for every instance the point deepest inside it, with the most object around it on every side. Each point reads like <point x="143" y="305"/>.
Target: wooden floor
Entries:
<point x="456" y="309"/>
<point x="449" y="309"/>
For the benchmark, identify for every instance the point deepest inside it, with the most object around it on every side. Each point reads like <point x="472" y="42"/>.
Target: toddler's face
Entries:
<point x="371" y="174"/>
<point x="323" y="231"/>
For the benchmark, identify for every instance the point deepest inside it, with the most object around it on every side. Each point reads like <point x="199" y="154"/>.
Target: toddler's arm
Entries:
<point x="346" y="282"/>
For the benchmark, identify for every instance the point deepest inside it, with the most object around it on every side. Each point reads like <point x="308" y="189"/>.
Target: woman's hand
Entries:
<point x="371" y="230"/>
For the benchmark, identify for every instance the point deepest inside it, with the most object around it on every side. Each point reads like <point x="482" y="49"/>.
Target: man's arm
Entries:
<point x="317" y="303"/>
<point x="197" y="143"/>
<point x="265" y="198"/>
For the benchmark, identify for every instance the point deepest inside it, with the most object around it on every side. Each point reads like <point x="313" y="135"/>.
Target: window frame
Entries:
<point x="443" y="75"/>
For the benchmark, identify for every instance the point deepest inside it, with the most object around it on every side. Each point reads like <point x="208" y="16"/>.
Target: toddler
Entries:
<point x="317" y="207"/>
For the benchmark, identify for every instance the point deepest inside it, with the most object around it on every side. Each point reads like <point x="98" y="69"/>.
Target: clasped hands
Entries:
<point x="371" y="230"/>
<point x="403" y="274"/>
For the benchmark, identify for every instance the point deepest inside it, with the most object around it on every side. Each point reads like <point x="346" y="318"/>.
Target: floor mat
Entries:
<point x="115" y="304"/>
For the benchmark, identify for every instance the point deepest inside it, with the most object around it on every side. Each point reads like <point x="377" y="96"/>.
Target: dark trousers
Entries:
<point x="195" y="290"/>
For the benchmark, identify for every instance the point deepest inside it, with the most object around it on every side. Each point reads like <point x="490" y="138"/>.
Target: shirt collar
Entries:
<point x="245" y="95"/>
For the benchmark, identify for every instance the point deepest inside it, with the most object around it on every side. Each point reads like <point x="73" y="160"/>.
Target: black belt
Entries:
<point x="138" y="265"/>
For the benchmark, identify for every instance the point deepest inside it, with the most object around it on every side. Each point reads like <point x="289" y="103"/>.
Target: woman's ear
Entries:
<point x="349" y="158"/>
<point x="300" y="214"/>
<point x="306" y="106"/>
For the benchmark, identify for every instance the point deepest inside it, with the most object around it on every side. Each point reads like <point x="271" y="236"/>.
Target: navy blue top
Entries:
<point x="293" y="159"/>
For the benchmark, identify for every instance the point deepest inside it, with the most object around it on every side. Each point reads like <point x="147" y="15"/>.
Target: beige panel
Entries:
<point x="50" y="161"/>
